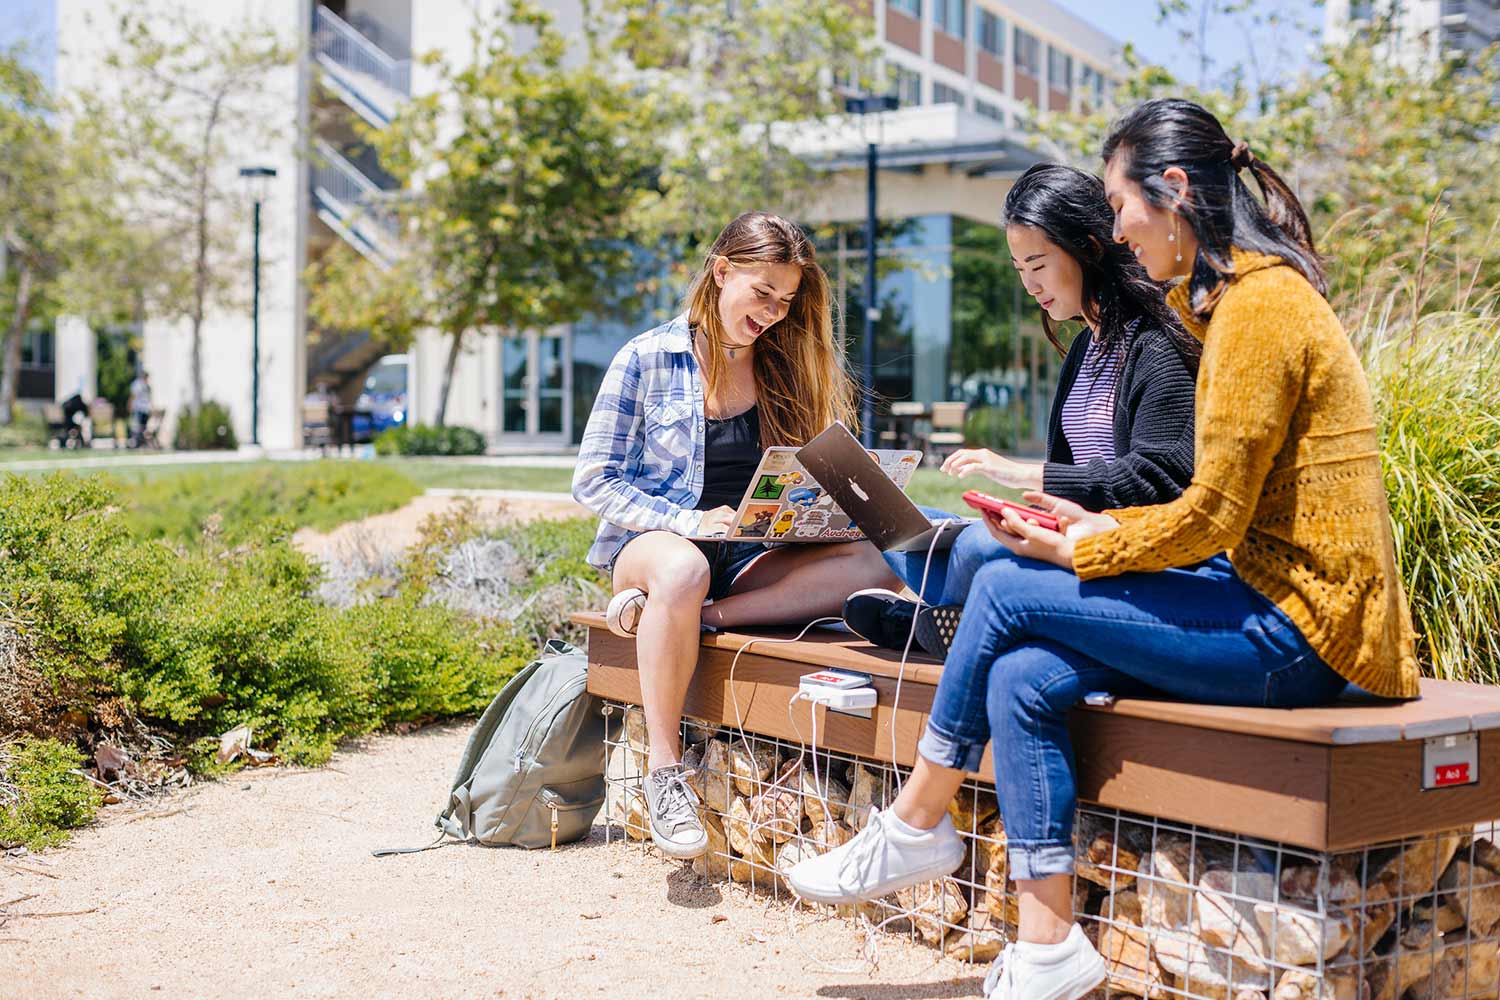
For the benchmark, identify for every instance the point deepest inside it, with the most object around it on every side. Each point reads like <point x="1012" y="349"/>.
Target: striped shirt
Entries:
<point x="1088" y="414"/>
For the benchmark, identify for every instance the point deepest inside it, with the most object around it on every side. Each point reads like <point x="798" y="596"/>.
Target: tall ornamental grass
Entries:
<point x="1436" y="381"/>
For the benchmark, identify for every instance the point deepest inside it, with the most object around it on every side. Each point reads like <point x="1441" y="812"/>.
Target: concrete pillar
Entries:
<point x="76" y="358"/>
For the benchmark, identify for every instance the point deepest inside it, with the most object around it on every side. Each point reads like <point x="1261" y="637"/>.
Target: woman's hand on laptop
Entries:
<point x="1026" y="538"/>
<point x="716" y="521"/>
<point x="1005" y="471"/>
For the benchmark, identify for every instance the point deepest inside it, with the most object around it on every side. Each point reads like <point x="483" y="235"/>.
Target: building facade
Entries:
<point x="972" y="77"/>
<point x="1424" y="32"/>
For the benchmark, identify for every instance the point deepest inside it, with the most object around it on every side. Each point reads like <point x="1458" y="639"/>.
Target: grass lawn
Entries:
<point x="928" y="486"/>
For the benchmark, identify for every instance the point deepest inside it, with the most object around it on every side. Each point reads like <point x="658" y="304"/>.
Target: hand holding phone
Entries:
<point x="987" y="504"/>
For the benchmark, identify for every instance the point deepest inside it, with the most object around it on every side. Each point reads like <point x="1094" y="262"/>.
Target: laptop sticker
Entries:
<point x="783" y="523"/>
<point x="768" y="488"/>
<point x="757" y="520"/>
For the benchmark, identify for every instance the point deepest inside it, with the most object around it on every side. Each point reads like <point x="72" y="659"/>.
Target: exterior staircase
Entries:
<point x="354" y="204"/>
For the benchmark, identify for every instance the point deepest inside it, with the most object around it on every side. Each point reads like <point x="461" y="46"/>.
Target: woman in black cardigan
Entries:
<point x="1121" y="428"/>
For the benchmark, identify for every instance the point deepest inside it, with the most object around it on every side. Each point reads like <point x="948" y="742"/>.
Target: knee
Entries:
<point x="680" y="574"/>
<point x="1031" y="682"/>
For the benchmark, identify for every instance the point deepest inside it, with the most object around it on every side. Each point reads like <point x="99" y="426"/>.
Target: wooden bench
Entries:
<point x="1203" y="832"/>
<point x="1326" y="778"/>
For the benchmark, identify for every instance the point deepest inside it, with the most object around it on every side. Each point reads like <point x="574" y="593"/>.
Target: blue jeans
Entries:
<point x="1035" y="639"/>
<point x="952" y="570"/>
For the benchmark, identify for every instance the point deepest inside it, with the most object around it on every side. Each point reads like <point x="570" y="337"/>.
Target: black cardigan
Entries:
<point x="1153" y="429"/>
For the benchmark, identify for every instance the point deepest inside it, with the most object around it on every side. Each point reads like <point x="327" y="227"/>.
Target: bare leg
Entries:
<point x="925" y="795"/>
<point x="1046" y="909"/>
<point x="675" y="576"/>
<point x="800" y="583"/>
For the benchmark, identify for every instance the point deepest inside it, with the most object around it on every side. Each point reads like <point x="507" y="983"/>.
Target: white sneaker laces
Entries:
<point x="676" y="803"/>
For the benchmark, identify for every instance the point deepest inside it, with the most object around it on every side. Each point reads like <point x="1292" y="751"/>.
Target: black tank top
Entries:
<point x="731" y="451"/>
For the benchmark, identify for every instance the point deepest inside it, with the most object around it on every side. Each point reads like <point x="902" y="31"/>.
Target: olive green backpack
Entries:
<point x="532" y="774"/>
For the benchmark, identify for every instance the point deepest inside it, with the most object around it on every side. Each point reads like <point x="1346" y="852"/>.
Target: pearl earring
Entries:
<point x="1173" y="238"/>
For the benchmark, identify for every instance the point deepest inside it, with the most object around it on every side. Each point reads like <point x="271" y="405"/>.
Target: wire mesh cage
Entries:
<point x="1178" y="911"/>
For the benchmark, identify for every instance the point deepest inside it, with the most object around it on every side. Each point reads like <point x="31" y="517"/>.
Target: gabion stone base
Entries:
<point x="1178" y="911"/>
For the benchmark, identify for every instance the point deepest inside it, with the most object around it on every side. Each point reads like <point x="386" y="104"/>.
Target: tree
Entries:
<point x="522" y="169"/>
<point x="544" y="175"/>
<point x="27" y="207"/>
<point x="59" y="241"/>
<point x="1390" y="160"/>
<point x="182" y="96"/>
<point x="741" y="90"/>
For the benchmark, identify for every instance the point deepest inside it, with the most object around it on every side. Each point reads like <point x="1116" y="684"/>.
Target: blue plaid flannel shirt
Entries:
<point x="640" y="462"/>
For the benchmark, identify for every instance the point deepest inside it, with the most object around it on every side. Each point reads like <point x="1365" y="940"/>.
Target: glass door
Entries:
<point x="535" y="389"/>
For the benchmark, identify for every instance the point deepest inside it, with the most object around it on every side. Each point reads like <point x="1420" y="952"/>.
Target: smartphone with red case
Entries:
<point x="994" y="505"/>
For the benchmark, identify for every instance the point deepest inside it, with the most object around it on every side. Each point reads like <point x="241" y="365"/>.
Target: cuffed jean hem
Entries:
<point x="946" y="751"/>
<point x="1039" y="860"/>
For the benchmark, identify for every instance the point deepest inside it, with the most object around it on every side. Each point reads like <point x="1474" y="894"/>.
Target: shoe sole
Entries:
<point x="1080" y="986"/>
<point x="616" y="611"/>
<point x="936" y="628"/>
<point x="928" y="874"/>
<point x="681" y="852"/>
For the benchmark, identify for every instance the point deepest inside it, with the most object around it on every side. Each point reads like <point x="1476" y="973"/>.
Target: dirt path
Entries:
<point x="263" y="886"/>
<point x="398" y="529"/>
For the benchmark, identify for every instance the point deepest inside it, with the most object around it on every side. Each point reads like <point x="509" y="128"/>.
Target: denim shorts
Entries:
<point x="726" y="561"/>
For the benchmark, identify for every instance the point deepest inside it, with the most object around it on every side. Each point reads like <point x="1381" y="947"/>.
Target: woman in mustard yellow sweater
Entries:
<point x="1271" y="581"/>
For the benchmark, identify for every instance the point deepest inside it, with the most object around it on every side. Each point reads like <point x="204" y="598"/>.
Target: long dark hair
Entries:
<point x="1069" y="208"/>
<point x="1164" y="133"/>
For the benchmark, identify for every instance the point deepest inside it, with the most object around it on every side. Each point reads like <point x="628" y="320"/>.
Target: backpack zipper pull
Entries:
<point x="553" y="807"/>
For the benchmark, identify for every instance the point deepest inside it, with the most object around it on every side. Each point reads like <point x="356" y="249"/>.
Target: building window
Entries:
<point x="989" y="110"/>
<point x="907" y="85"/>
<point x="1028" y="53"/>
<point x="1059" y="70"/>
<point x="944" y="94"/>
<point x="951" y="16"/>
<point x="37" y="350"/>
<point x="991" y="34"/>
<point x="1091" y="82"/>
<point x="911" y="8"/>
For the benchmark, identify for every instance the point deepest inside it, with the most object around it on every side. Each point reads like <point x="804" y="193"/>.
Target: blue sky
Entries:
<point x="32" y="21"/>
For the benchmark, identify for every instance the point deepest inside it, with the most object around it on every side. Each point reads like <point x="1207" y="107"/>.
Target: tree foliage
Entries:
<point x="522" y="168"/>
<point x="183" y="97"/>
<point x="1395" y="163"/>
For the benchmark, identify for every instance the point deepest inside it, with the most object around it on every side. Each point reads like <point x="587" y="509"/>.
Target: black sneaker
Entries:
<point x="936" y="627"/>
<point x="880" y="616"/>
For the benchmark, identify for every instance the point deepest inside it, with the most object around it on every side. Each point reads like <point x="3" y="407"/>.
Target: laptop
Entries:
<point x="858" y="483"/>
<point x="786" y="503"/>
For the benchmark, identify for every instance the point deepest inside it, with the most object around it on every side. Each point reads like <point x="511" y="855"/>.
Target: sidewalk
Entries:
<point x="137" y="459"/>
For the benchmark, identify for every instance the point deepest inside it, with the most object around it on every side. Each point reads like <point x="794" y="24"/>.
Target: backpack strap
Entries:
<point x="386" y="852"/>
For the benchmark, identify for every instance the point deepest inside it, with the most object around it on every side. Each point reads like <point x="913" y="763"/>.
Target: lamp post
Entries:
<point x="258" y="183"/>
<point x="864" y="105"/>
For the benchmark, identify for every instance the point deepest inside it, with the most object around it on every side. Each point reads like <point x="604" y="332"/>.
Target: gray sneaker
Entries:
<point x="675" y="825"/>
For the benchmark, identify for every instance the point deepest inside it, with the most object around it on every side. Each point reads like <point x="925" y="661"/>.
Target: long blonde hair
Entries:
<point x="800" y="383"/>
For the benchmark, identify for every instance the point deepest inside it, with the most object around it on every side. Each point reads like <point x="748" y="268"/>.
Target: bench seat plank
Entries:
<point x="1445" y="708"/>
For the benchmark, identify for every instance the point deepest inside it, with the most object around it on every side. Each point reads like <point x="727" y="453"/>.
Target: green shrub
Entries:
<point x="319" y="495"/>
<point x="207" y="427"/>
<point x="426" y="439"/>
<point x="206" y="636"/>
<point x="25" y="430"/>
<point x="1437" y="393"/>
<point x="42" y="795"/>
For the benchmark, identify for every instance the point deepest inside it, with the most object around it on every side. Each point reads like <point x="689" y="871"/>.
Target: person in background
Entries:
<point x="140" y="407"/>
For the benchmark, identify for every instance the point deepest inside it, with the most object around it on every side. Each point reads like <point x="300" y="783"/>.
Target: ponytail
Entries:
<point x="1219" y="207"/>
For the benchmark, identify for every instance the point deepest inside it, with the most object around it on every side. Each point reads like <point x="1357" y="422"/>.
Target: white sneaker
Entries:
<point x="624" y="611"/>
<point x="672" y="806"/>
<point x="880" y="859"/>
<point x="1066" y="971"/>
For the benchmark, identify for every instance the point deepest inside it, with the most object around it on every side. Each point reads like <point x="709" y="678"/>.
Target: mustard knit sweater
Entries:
<point x="1287" y="478"/>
